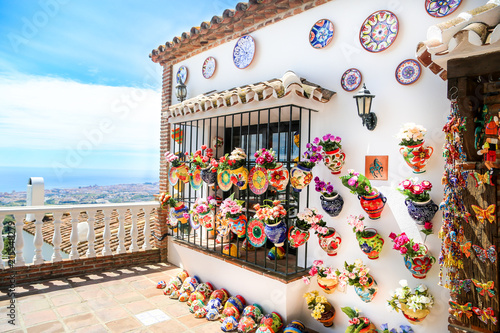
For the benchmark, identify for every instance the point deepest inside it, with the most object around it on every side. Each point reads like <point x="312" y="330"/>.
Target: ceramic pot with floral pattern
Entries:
<point x="332" y="205"/>
<point x="300" y="177"/>
<point x="416" y="156"/>
<point x="367" y="293"/>
<point x="414" y="317"/>
<point x="330" y="242"/>
<point x="420" y="265"/>
<point x="182" y="172"/>
<point x="209" y="176"/>
<point x="276" y="233"/>
<point x="278" y="177"/>
<point x="239" y="177"/>
<point x="373" y="204"/>
<point x="371" y="244"/>
<point x="328" y="285"/>
<point x="334" y="160"/>
<point x="297" y="236"/>
<point x="421" y="212"/>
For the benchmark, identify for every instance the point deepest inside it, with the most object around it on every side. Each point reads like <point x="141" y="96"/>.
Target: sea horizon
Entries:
<point x="16" y="178"/>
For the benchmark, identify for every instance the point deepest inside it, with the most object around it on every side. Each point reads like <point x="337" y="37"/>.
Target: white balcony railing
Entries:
<point x="104" y="211"/>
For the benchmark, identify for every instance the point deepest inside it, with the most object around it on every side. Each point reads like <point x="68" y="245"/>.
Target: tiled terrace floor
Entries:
<point x="107" y="302"/>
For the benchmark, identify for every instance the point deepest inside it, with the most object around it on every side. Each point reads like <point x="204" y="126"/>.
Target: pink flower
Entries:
<point x="351" y="181"/>
<point x="305" y="279"/>
<point x="186" y="216"/>
<point x="392" y="236"/>
<point x="318" y="262"/>
<point x="428" y="225"/>
<point x="426" y="185"/>
<point x="363" y="280"/>
<point x="313" y="271"/>
<point x="417" y="189"/>
<point x="403" y="250"/>
<point x="406" y="184"/>
<point x="416" y="247"/>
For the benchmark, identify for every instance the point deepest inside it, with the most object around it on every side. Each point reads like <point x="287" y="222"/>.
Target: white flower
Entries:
<point x="400" y="293"/>
<point x="421" y="288"/>
<point x="403" y="283"/>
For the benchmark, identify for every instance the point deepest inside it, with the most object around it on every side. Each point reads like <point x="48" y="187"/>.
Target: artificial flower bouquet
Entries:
<point x="384" y="328"/>
<point x="203" y="206"/>
<point x="318" y="268"/>
<point x="411" y="134"/>
<point x="414" y="304"/>
<point x="356" y="322"/>
<point x="326" y="189"/>
<point x="266" y="158"/>
<point x="310" y="219"/>
<point x="270" y="214"/>
<point x="416" y="192"/>
<point x="355" y="274"/>
<point x="313" y="154"/>
<point x="172" y="158"/>
<point x="330" y="142"/>
<point x="231" y="207"/>
<point x="236" y="159"/>
<point x="316" y="303"/>
<point x="357" y="183"/>
<point x="201" y="158"/>
<point x="407" y="246"/>
<point x="166" y="201"/>
<point x="358" y="226"/>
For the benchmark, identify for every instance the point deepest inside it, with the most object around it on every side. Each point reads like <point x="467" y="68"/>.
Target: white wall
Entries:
<point x="284" y="46"/>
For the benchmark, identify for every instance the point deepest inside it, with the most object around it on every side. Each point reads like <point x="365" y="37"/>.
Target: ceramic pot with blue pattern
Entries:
<point x="367" y="293"/>
<point x="208" y="176"/>
<point x="332" y="205"/>
<point x="276" y="233"/>
<point x="421" y="212"/>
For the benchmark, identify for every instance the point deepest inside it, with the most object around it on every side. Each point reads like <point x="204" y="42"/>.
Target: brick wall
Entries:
<point x="66" y="268"/>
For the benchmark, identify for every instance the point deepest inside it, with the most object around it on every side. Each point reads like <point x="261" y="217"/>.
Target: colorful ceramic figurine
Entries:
<point x="251" y="316"/>
<point x="214" y="306"/>
<point x="270" y="323"/>
<point x="202" y="293"/>
<point x="175" y="283"/>
<point x="188" y="286"/>
<point x="233" y="307"/>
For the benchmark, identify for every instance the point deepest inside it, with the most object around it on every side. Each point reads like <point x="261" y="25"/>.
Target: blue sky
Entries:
<point x="77" y="88"/>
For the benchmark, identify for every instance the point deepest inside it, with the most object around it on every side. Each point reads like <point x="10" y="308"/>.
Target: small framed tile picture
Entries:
<point x="377" y="167"/>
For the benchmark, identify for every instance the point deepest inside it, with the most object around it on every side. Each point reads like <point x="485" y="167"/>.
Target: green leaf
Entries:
<point x="349" y="312"/>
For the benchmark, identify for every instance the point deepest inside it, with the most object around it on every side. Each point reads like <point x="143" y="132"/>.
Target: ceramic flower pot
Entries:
<point x="334" y="160"/>
<point x="239" y="177"/>
<point x="327" y="317"/>
<point x="278" y="177"/>
<point x="367" y="293"/>
<point x="373" y="204"/>
<point x="207" y="220"/>
<point x="271" y="322"/>
<point x="416" y="156"/>
<point x="332" y="205"/>
<point x="177" y="215"/>
<point x="419" y="265"/>
<point x="414" y="317"/>
<point x="276" y="253"/>
<point x="276" y="233"/>
<point x="371" y="245"/>
<point x="229" y="324"/>
<point x="208" y="176"/>
<point x="328" y="285"/>
<point x="238" y="225"/>
<point x="369" y="329"/>
<point x="421" y="212"/>
<point x="182" y="172"/>
<point x="295" y="326"/>
<point x="300" y="177"/>
<point x="330" y="242"/>
<point x="297" y="236"/>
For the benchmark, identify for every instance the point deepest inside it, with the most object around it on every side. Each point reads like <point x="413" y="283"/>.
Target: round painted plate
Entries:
<point x="172" y="176"/>
<point x="182" y="74"/>
<point x="244" y="51"/>
<point x="208" y="68"/>
<point x="195" y="221"/>
<point x="257" y="180"/>
<point x="441" y="8"/>
<point x="195" y="180"/>
<point x="224" y="180"/>
<point x="321" y="34"/>
<point x="408" y="71"/>
<point x="379" y="31"/>
<point x="255" y="232"/>
<point x="351" y="79"/>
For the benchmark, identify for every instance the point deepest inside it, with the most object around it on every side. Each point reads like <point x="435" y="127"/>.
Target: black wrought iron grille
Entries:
<point x="282" y="128"/>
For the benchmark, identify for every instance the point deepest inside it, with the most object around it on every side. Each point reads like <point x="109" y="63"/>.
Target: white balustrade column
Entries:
<point x="121" y="231"/>
<point x="19" y="240"/>
<point x="38" y="240"/>
<point x="74" y="236"/>
<point x="2" y="217"/>
<point x="147" y="230"/>
<point x="106" y="235"/>
<point x="133" y="231"/>
<point x="56" y="238"/>
<point x="91" y="234"/>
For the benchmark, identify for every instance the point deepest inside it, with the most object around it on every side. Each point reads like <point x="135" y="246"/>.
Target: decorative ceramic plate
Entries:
<point x="172" y="176"/>
<point x="257" y="180"/>
<point x="208" y="68"/>
<point x="244" y="52"/>
<point x="195" y="180"/>
<point x="296" y="138"/>
<point x="182" y="74"/>
<point x="224" y="180"/>
<point x="351" y="79"/>
<point x="379" y="31"/>
<point x="255" y="232"/>
<point x="408" y="71"/>
<point x="221" y="225"/>
<point x="195" y="221"/>
<point x="321" y="34"/>
<point x="441" y="8"/>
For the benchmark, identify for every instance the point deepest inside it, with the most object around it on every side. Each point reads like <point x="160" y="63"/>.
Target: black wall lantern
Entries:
<point x="364" y="104"/>
<point x="180" y="91"/>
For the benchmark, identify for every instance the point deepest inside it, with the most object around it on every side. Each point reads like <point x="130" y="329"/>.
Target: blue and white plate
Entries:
<point x="321" y="34"/>
<point x="408" y="72"/>
<point x="182" y="75"/>
<point x="244" y="52"/>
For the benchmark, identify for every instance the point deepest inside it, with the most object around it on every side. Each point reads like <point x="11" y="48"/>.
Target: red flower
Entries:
<point x="420" y="155"/>
<point x="422" y="265"/>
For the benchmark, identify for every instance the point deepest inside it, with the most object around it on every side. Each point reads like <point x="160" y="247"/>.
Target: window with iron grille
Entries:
<point x="282" y="128"/>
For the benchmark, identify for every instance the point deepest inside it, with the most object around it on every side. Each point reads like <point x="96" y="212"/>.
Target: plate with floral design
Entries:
<point x="195" y="221"/>
<point x="351" y="79"/>
<point x="208" y="68"/>
<point x="321" y="34"/>
<point x="379" y="31"/>
<point x="408" y="71"/>
<point x="172" y="176"/>
<point x="224" y="180"/>
<point x="244" y="52"/>
<point x="257" y="180"/>
<point x="195" y="179"/>
<point x="182" y="75"/>
<point x="255" y="232"/>
<point x="441" y="8"/>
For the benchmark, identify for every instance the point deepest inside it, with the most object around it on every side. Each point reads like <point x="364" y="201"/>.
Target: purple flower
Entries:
<point x="326" y="137"/>
<point x="316" y="141"/>
<point x="318" y="189"/>
<point x="316" y="179"/>
<point x="329" y="188"/>
<point x="308" y="145"/>
<point x="338" y="139"/>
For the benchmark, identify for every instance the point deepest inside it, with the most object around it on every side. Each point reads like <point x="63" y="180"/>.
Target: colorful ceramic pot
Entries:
<point x="271" y="322"/>
<point x="367" y="293"/>
<point x="332" y="205"/>
<point x="276" y="253"/>
<point x="297" y="236"/>
<point x="373" y="204"/>
<point x="251" y="316"/>
<point x="328" y="315"/>
<point x="182" y="172"/>
<point x="229" y="324"/>
<point x="295" y="326"/>
<point x="328" y="285"/>
<point x="276" y="233"/>
<point x="238" y="225"/>
<point x="334" y="160"/>
<point x="416" y="156"/>
<point x="371" y="244"/>
<point x="176" y="283"/>
<point x="300" y="177"/>
<point x="330" y="242"/>
<point x="188" y="286"/>
<point x="370" y="328"/>
<point x="230" y="250"/>
<point x="202" y="292"/>
<point x="214" y="306"/>
<point x="414" y="317"/>
<point x="209" y="176"/>
<point x="224" y="180"/>
<point x="419" y="265"/>
<point x="421" y="212"/>
<point x="177" y="216"/>
<point x="207" y="220"/>
<point x="278" y="177"/>
<point x="239" y="177"/>
<point x="233" y="307"/>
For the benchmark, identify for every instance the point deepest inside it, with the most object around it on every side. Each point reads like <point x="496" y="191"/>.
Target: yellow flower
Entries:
<point x="321" y="299"/>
